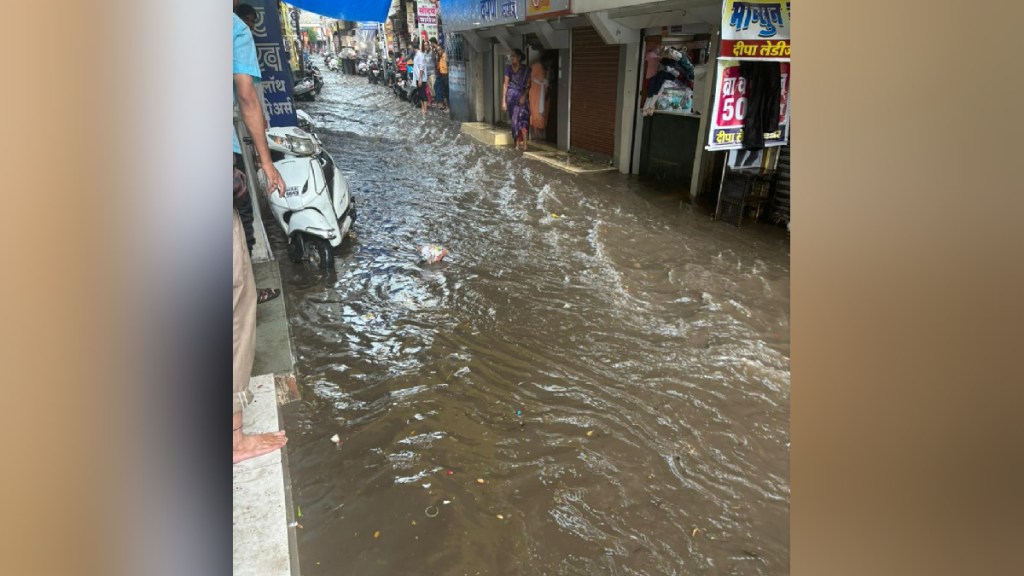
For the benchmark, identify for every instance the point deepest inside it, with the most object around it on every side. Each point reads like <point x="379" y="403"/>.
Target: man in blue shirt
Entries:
<point x="246" y="72"/>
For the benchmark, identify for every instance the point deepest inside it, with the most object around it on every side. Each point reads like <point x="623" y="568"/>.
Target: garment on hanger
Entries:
<point x="764" y="85"/>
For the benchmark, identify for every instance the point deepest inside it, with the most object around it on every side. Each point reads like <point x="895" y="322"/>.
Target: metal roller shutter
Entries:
<point x="780" y="205"/>
<point x="595" y="78"/>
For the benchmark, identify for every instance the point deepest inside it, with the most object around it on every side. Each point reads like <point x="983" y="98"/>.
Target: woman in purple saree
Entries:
<point x="515" y="97"/>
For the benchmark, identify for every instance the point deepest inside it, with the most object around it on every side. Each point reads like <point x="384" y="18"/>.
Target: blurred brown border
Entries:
<point x="906" y="288"/>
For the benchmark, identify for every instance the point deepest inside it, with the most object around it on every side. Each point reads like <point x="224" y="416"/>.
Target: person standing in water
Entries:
<point x="515" y="97"/>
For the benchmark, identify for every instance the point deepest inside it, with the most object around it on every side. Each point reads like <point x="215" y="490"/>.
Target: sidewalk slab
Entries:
<point x="263" y="540"/>
<point x="487" y="134"/>
<point x="273" y="342"/>
<point x="567" y="161"/>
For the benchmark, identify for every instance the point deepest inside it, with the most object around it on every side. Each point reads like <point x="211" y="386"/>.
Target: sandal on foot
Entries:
<point x="266" y="295"/>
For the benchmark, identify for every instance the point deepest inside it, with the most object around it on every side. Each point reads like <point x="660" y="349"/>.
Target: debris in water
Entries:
<point x="426" y="486"/>
<point x="500" y="517"/>
<point x="480" y="480"/>
<point x="413" y="522"/>
<point x="694" y="533"/>
<point x="590" y="432"/>
<point x="519" y="412"/>
<point x="298" y="511"/>
<point x="450" y="471"/>
<point x="336" y="439"/>
<point x="376" y="534"/>
<point x="430" y="509"/>
<point x="555" y="216"/>
<point x="446" y="502"/>
<point x="432" y="253"/>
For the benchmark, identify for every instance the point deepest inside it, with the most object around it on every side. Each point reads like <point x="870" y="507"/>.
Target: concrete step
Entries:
<point x="567" y="161"/>
<point x="264" y="542"/>
<point x="487" y="134"/>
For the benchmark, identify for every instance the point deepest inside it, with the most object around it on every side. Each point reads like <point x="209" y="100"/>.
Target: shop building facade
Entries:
<point x="593" y="51"/>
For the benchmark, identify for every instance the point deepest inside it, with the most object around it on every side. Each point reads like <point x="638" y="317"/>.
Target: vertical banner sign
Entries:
<point x="726" y="129"/>
<point x="538" y="9"/>
<point x="755" y="30"/>
<point x="277" y="75"/>
<point x="457" y="97"/>
<point x="426" y="18"/>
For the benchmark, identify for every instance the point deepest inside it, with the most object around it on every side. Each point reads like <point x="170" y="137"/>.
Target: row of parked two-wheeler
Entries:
<point x="309" y="87"/>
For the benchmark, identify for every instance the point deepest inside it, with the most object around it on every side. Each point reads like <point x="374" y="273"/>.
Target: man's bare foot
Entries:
<point x="252" y="445"/>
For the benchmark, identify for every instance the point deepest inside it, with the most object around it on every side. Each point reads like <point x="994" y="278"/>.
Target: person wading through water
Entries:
<point x="515" y="97"/>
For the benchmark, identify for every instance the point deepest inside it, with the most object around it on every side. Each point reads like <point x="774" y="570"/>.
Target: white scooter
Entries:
<point x="317" y="210"/>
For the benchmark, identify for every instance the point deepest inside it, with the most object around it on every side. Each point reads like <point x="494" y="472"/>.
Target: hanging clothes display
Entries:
<point x="764" y="83"/>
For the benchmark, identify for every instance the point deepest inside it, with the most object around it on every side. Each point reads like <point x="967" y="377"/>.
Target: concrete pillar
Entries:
<point x="626" y="107"/>
<point x="487" y="81"/>
<point x="701" y="159"/>
<point x="564" y="95"/>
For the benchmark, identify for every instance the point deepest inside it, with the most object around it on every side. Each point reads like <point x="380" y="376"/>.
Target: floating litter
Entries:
<point x="447" y="502"/>
<point x="590" y="432"/>
<point x="336" y="439"/>
<point x="480" y="480"/>
<point x="427" y="486"/>
<point x="432" y="253"/>
<point x="450" y="471"/>
<point x="376" y="534"/>
<point x="500" y="517"/>
<point x="519" y="412"/>
<point x="431" y="511"/>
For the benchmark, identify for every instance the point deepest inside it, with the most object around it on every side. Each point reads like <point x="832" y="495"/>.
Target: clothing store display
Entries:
<point x="764" y="84"/>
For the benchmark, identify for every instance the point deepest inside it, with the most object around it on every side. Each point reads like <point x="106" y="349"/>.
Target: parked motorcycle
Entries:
<point x="399" y="87"/>
<point x="305" y="121"/>
<point x="374" y="76"/>
<point x="317" y="209"/>
<point x="318" y="79"/>
<point x="305" y="90"/>
<point x="362" y="67"/>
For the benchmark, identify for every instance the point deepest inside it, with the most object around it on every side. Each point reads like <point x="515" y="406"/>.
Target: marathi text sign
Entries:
<point x="539" y="9"/>
<point x="726" y="130"/>
<point x="275" y="71"/>
<point x="426" y="19"/>
<point x="755" y="29"/>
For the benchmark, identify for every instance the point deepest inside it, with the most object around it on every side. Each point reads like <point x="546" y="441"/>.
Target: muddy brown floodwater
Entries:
<point x="603" y="369"/>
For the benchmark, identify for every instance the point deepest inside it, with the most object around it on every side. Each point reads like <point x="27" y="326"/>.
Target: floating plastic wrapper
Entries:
<point x="432" y="253"/>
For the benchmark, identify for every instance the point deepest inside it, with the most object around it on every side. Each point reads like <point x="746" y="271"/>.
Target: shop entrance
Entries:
<point x="548" y="69"/>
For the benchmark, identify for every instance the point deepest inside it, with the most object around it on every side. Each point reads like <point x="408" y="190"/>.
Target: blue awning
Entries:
<point x="355" y="10"/>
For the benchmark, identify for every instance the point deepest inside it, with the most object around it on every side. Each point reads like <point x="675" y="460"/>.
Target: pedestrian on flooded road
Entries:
<point x="430" y="68"/>
<point x="441" y="83"/>
<point x="246" y="72"/>
<point x="420" y="73"/>
<point x="515" y="97"/>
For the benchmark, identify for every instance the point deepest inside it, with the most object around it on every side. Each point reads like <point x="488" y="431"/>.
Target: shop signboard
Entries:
<point x="276" y="83"/>
<point x="426" y="18"/>
<point x="730" y="108"/>
<point x="755" y="29"/>
<point x="540" y="9"/>
<point x="469" y="14"/>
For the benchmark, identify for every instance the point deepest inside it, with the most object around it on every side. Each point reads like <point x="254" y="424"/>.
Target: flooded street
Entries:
<point x="594" y="381"/>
